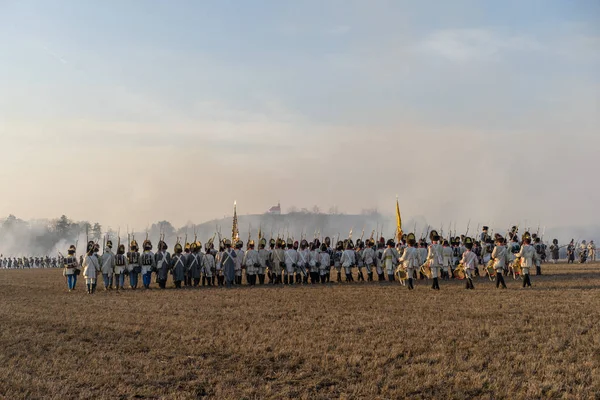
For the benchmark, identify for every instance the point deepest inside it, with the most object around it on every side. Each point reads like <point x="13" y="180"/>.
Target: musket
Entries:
<point x="362" y="235"/>
<point x="350" y="234"/>
<point x="468" y="226"/>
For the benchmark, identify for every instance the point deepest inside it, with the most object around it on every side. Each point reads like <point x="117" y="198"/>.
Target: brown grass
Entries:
<point x="340" y="341"/>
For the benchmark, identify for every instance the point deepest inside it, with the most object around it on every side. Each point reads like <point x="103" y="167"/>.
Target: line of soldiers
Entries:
<point x="30" y="262"/>
<point x="290" y="262"/>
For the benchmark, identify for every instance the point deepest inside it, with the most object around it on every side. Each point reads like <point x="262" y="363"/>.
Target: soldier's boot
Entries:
<point x="468" y="284"/>
<point x="471" y="283"/>
<point x="351" y="277"/>
<point x="339" y="277"/>
<point x="285" y="279"/>
<point x="410" y="283"/>
<point x="361" y="277"/>
<point x="261" y="279"/>
<point x="435" y="284"/>
<point x="328" y="277"/>
<point x="298" y="278"/>
<point x="348" y="279"/>
<point x="203" y="281"/>
<point x="305" y="279"/>
<point x="369" y="276"/>
<point x="380" y="277"/>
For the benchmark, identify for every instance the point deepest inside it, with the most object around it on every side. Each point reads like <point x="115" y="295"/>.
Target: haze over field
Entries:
<point x="128" y="112"/>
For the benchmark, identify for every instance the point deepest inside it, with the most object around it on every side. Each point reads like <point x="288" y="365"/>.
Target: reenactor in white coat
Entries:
<point x="277" y="262"/>
<point x="238" y="260"/>
<point x="208" y="268"/>
<point x="263" y="259"/>
<point x="410" y="260"/>
<point x="291" y="262"/>
<point x="389" y="259"/>
<point x="163" y="264"/>
<point x="447" y="263"/>
<point x="469" y="261"/>
<point x="435" y="257"/>
<point x="108" y="265"/>
<point x="303" y="267"/>
<point x="178" y="265"/>
<point x="501" y="257"/>
<point x="325" y="262"/>
<point x="314" y="262"/>
<point x="592" y="251"/>
<point x="528" y="257"/>
<point x="194" y="262"/>
<point x="252" y="263"/>
<point x="91" y="268"/>
<point x="348" y="260"/>
<point x="368" y="257"/>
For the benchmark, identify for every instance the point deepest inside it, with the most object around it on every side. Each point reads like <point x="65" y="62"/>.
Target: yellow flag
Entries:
<point x="398" y="222"/>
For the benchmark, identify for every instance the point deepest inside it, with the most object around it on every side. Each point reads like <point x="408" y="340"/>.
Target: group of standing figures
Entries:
<point x="290" y="262"/>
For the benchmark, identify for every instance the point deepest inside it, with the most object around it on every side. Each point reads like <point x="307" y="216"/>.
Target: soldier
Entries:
<point x="194" y="267"/>
<point x="469" y="261"/>
<point x="239" y="252"/>
<point x="447" y="253"/>
<point x="70" y="265"/>
<point x="348" y="261"/>
<point x="303" y="258"/>
<point x="91" y="268"/>
<point x="208" y="269"/>
<point x="501" y="258"/>
<point x="592" y="251"/>
<point x="178" y="265"/>
<point x="228" y="263"/>
<point x="120" y="267"/>
<point x="539" y="249"/>
<point x="554" y="250"/>
<point x="325" y="262"/>
<point x="187" y="273"/>
<point x="583" y="252"/>
<point x="108" y="265"/>
<point x="314" y="262"/>
<point x="272" y="244"/>
<point x="163" y="264"/>
<point x="410" y="260"/>
<point x="133" y="261"/>
<point x="422" y="251"/>
<point x="368" y="256"/>
<point x="252" y="263"/>
<point x="337" y="260"/>
<point x="389" y="259"/>
<point x="528" y="257"/>
<point x="263" y="259"/>
<point x="148" y="262"/>
<point x="277" y="262"/>
<point x="291" y="262"/>
<point x="571" y="252"/>
<point x="436" y="258"/>
<point x="360" y="262"/>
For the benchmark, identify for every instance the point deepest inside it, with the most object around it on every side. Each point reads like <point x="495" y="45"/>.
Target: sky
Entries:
<point x="131" y="111"/>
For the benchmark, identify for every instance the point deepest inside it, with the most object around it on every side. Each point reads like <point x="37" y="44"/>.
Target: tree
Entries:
<point x="62" y="227"/>
<point x="292" y="210"/>
<point x="316" y="209"/>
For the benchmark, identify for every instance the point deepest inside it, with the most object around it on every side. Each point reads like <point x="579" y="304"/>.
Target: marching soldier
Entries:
<point x="360" y="262"/>
<point x="469" y="261"/>
<point x="555" y="250"/>
<point x="368" y="257"/>
<point x="348" y="260"/>
<point x="195" y="263"/>
<point x="108" y="265"/>
<point x="447" y="253"/>
<point x="187" y="249"/>
<point x="91" y="268"/>
<point x="120" y="267"/>
<point x="436" y="258"/>
<point x="252" y="263"/>
<point x="501" y="259"/>
<point x="291" y="262"/>
<point x="70" y="265"/>
<point x="148" y="262"/>
<point x="238" y="262"/>
<point x="163" y="264"/>
<point x="592" y="251"/>
<point x="571" y="252"/>
<point x="410" y="260"/>
<point x="272" y="244"/>
<point x="228" y="263"/>
<point x="263" y="260"/>
<point x="208" y="268"/>
<point x="337" y="260"/>
<point x="133" y="259"/>
<point x="539" y="249"/>
<point x="303" y="262"/>
<point x="277" y="262"/>
<point x="422" y="251"/>
<point x="314" y="262"/>
<point x="390" y="259"/>
<point x="325" y="262"/>
<point x="528" y="256"/>
<point x="178" y="265"/>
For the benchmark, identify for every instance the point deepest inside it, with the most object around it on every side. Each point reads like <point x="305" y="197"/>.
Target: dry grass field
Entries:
<point x="339" y="341"/>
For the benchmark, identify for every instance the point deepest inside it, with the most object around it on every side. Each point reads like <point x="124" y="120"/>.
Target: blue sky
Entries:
<point x="295" y="88"/>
